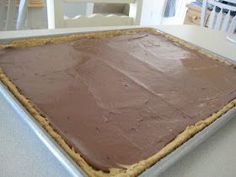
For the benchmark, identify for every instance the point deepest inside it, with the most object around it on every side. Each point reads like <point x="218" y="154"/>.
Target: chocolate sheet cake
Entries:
<point x="117" y="102"/>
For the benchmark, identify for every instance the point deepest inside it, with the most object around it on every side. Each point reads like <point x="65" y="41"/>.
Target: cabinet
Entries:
<point x="193" y="15"/>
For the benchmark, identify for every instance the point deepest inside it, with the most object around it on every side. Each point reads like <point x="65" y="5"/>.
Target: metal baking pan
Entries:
<point x="161" y="166"/>
<point x="17" y="119"/>
<point x="69" y="165"/>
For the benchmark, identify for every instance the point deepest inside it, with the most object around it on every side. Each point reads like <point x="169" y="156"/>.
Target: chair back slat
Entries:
<point x="225" y="23"/>
<point x="222" y="5"/>
<point x="203" y="13"/>
<point x="232" y="25"/>
<point x="212" y="18"/>
<point x="220" y="16"/>
<point x="219" y="20"/>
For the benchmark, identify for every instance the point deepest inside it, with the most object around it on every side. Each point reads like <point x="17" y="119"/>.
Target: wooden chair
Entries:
<point x="222" y="20"/>
<point x="56" y="15"/>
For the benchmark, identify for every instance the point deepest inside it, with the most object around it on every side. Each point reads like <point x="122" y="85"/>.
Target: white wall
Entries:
<point x="152" y="12"/>
<point x="178" y="19"/>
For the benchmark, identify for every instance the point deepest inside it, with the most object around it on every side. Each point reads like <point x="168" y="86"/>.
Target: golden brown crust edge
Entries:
<point x="132" y="170"/>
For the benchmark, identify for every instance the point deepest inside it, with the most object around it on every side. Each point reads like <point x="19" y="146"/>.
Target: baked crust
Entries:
<point x="131" y="170"/>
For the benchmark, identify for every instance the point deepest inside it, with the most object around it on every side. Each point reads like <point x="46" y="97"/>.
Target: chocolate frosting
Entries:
<point x="120" y="100"/>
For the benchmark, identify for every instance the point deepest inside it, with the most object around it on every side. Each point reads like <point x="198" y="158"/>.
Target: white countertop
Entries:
<point x="213" y="158"/>
<point x="212" y="40"/>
